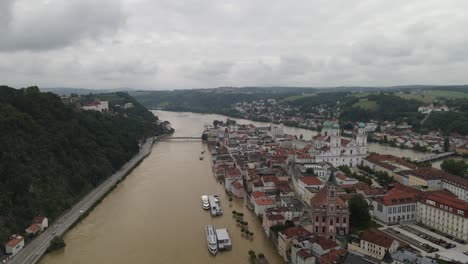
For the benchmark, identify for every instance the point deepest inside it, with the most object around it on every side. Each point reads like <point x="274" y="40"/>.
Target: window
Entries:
<point x="399" y="209"/>
<point x="323" y="229"/>
<point x="344" y="220"/>
<point x="323" y="219"/>
<point x="404" y="209"/>
<point x="331" y="221"/>
<point x="316" y="219"/>
<point x="389" y="210"/>
<point x="389" y="219"/>
<point x="316" y="229"/>
<point x="332" y="208"/>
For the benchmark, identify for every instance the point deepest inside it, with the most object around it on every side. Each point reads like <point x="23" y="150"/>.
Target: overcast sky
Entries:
<point x="170" y="44"/>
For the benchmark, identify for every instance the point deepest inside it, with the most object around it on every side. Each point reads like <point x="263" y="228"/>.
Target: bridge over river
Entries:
<point x="435" y="157"/>
<point x="179" y="138"/>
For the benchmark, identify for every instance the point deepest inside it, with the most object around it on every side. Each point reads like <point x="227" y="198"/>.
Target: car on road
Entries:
<point x="81" y="211"/>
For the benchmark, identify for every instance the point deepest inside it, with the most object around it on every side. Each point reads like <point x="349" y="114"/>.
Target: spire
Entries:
<point x="387" y="258"/>
<point x="332" y="179"/>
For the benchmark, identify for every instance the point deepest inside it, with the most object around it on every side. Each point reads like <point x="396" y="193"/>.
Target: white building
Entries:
<point x="276" y="130"/>
<point x="445" y="213"/>
<point x="100" y="106"/>
<point x="398" y="205"/>
<point x="15" y="244"/>
<point x="374" y="243"/>
<point x="456" y="185"/>
<point x="330" y="147"/>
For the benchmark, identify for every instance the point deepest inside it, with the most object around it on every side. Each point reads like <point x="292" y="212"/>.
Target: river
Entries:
<point x="155" y="215"/>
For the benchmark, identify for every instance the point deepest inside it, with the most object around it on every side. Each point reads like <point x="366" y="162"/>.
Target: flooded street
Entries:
<point x="155" y="215"/>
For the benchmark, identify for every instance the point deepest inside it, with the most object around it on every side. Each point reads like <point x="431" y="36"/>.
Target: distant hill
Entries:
<point x="81" y="91"/>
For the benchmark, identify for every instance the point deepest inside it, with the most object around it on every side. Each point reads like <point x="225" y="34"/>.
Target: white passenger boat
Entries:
<point x="215" y="205"/>
<point x="211" y="239"/>
<point x="205" y="202"/>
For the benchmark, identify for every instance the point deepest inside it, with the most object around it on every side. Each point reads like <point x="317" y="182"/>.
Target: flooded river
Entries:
<point x="155" y="215"/>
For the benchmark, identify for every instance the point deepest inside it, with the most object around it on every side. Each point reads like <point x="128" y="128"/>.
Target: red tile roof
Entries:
<point x="275" y="217"/>
<point x="311" y="180"/>
<point x="269" y="179"/>
<point x="237" y="185"/>
<point x="429" y="173"/>
<point x="455" y="180"/>
<point x="33" y="228"/>
<point x="294" y="232"/>
<point x="264" y="201"/>
<point x="326" y="243"/>
<point x="258" y="194"/>
<point x="304" y="254"/>
<point x="399" y="194"/>
<point x="333" y="256"/>
<point x="38" y="219"/>
<point x="377" y="237"/>
<point x="381" y="161"/>
<point x="451" y="201"/>
<point x="15" y="241"/>
<point x="321" y="198"/>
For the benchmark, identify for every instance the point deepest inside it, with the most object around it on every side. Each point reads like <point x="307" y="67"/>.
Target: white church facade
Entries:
<point x="329" y="146"/>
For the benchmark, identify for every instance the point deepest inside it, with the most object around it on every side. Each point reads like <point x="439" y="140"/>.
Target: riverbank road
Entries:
<point x="37" y="247"/>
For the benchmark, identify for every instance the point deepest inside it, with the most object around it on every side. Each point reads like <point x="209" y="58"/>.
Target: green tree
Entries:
<point x="56" y="243"/>
<point x="359" y="213"/>
<point x="456" y="167"/>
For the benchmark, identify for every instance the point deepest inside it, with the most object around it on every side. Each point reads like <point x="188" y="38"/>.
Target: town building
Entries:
<point x="329" y="146"/>
<point x="100" y="106"/>
<point x="390" y="164"/>
<point x="456" y="185"/>
<point x="308" y="182"/>
<point x="374" y="243"/>
<point x="444" y="212"/>
<point x="426" y="177"/>
<point x="237" y="189"/>
<point x="285" y="237"/>
<point x="14" y="245"/>
<point x="398" y="205"/>
<point x="260" y="202"/>
<point x="329" y="213"/>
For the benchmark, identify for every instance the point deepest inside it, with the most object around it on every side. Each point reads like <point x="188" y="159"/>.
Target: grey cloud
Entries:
<point x="45" y="25"/>
<point x="200" y="43"/>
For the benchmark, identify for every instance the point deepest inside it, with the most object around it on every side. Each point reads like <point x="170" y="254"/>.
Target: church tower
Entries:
<point x="335" y="139"/>
<point x="361" y="138"/>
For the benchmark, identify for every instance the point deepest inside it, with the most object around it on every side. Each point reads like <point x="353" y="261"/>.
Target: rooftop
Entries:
<point x="377" y="237"/>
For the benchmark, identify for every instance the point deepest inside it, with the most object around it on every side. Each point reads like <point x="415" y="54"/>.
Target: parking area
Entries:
<point x="436" y="240"/>
<point x="424" y="247"/>
<point x="459" y="241"/>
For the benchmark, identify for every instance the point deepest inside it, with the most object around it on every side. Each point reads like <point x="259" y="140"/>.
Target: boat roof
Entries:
<point x="222" y="234"/>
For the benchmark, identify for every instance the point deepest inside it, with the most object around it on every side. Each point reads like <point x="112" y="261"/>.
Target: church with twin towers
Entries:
<point x="330" y="146"/>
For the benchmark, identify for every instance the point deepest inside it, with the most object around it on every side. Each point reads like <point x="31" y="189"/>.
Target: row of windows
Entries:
<point x="400" y="218"/>
<point x="401" y="209"/>
<point x="324" y="219"/>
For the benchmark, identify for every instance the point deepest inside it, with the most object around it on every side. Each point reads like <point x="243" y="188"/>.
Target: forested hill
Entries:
<point x="51" y="153"/>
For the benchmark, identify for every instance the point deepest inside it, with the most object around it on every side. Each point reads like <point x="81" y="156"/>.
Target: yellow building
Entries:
<point x="428" y="177"/>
